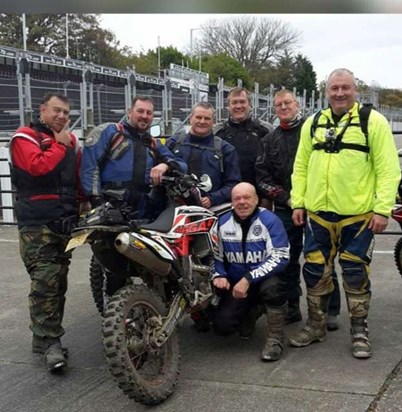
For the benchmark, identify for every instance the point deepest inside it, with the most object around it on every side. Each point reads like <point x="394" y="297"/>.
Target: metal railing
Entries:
<point x="7" y="192"/>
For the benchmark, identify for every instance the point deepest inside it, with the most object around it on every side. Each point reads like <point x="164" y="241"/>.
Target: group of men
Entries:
<point x="327" y="177"/>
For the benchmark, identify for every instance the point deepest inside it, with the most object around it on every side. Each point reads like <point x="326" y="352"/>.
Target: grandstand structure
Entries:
<point x="100" y="94"/>
<point x="103" y="94"/>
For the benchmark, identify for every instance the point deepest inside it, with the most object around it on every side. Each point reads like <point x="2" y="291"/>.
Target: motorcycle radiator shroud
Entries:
<point x="156" y="250"/>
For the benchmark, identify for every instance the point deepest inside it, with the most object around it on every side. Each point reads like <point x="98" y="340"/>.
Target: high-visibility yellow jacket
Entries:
<point x="350" y="182"/>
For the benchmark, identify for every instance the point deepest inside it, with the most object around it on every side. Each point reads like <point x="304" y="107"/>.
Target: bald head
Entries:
<point x="244" y="199"/>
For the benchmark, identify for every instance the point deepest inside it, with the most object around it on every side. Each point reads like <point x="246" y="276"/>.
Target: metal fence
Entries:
<point x="100" y="94"/>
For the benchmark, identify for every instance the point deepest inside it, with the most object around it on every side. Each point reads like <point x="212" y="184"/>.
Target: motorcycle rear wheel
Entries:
<point x="398" y="255"/>
<point x="103" y="284"/>
<point x="144" y="374"/>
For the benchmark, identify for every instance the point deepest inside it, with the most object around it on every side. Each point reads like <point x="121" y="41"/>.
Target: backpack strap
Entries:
<point x="181" y="137"/>
<point x="364" y="113"/>
<point x="114" y="141"/>
<point x="218" y="152"/>
<point x="314" y="123"/>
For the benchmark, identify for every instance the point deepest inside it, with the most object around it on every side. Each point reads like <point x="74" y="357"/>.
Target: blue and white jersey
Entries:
<point x="263" y="252"/>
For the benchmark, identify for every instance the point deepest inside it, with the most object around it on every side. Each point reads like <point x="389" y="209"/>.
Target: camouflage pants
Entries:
<point x="42" y="252"/>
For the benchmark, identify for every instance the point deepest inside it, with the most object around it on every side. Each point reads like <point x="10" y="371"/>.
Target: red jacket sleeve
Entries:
<point x="27" y="154"/>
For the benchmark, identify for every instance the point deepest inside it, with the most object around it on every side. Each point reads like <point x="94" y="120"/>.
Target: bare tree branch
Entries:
<point x="252" y="41"/>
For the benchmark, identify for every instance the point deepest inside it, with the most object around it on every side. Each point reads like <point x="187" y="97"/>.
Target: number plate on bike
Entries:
<point x="77" y="240"/>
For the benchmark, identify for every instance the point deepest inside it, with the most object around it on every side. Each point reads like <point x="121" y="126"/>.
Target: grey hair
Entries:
<point x="203" y="105"/>
<point x="341" y="72"/>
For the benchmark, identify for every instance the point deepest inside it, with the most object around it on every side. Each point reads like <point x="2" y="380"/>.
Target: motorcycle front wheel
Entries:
<point x="398" y="255"/>
<point x="143" y="373"/>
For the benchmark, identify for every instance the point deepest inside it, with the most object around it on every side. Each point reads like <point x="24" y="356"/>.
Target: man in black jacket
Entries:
<point x="243" y="132"/>
<point x="273" y="169"/>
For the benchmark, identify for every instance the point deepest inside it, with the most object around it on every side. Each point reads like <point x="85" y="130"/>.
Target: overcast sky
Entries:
<point x="368" y="44"/>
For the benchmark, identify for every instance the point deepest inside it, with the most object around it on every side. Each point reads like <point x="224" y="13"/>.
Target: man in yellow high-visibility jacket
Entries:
<point x="346" y="179"/>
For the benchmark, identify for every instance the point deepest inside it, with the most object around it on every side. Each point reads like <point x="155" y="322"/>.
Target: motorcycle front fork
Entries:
<point x="161" y="328"/>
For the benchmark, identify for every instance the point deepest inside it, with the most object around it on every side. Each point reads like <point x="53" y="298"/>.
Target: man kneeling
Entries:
<point x="254" y="250"/>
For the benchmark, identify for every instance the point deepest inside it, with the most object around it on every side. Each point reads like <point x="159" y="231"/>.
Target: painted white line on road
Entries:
<point x="9" y="240"/>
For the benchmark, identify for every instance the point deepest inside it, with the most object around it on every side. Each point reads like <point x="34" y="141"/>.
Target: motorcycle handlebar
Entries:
<point x="184" y="185"/>
<point x="185" y="180"/>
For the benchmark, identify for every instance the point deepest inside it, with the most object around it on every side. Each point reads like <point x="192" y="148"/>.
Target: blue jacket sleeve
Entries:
<point x="93" y="150"/>
<point x="171" y="159"/>
<point x="171" y="143"/>
<point x="219" y="264"/>
<point x="277" y="261"/>
<point x="231" y="176"/>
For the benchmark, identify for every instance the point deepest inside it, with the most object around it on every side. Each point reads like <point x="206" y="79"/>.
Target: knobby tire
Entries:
<point x="131" y="363"/>
<point x="97" y="282"/>
<point x="398" y="255"/>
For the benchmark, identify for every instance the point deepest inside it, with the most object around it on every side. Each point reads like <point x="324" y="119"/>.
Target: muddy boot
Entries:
<point x="315" y="329"/>
<point x="39" y="345"/>
<point x="358" y="306"/>
<point x="293" y="313"/>
<point x="247" y="325"/>
<point x="361" y="347"/>
<point x="55" y="359"/>
<point x="275" y="336"/>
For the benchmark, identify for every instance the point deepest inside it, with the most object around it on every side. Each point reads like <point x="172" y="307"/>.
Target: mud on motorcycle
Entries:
<point x="169" y="279"/>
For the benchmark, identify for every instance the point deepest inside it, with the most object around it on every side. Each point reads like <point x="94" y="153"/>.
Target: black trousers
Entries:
<point x="230" y="312"/>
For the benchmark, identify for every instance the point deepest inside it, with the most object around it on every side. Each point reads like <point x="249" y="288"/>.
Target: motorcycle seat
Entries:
<point x="163" y="223"/>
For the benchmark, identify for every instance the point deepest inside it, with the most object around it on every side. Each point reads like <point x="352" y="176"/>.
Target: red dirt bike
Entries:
<point x="397" y="215"/>
<point x="170" y="277"/>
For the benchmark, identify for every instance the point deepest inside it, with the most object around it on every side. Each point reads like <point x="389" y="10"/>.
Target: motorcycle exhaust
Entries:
<point x="136" y="250"/>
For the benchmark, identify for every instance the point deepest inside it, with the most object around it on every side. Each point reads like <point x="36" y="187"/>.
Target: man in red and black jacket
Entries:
<point x="45" y="159"/>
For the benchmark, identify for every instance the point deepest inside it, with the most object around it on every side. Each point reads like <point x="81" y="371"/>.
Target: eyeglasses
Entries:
<point x="287" y="103"/>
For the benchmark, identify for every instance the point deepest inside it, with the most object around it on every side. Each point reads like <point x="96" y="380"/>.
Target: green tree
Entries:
<point x="282" y="73"/>
<point x="222" y="65"/>
<point x="390" y="97"/>
<point x="46" y="33"/>
<point x="305" y="78"/>
<point x="147" y="63"/>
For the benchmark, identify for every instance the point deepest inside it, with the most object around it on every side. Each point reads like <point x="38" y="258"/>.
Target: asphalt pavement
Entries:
<point x="217" y="373"/>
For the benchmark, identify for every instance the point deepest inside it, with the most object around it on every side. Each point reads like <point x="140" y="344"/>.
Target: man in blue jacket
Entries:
<point x="205" y="153"/>
<point x="124" y="156"/>
<point x="249" y="271"/>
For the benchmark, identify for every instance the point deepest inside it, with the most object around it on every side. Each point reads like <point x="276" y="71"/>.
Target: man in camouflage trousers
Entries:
<point x="45" y="159"/>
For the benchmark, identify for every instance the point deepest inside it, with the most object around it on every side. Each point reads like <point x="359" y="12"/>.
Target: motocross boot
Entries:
<point x="315" y="329"/>
<point x="247" y="325"/>
<point x="275" y="337"/>
<point x="40" y="345"/>
<point x="293" y="314"/>
<point x="54" y="356"/>
<point x="358" y="306"/>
